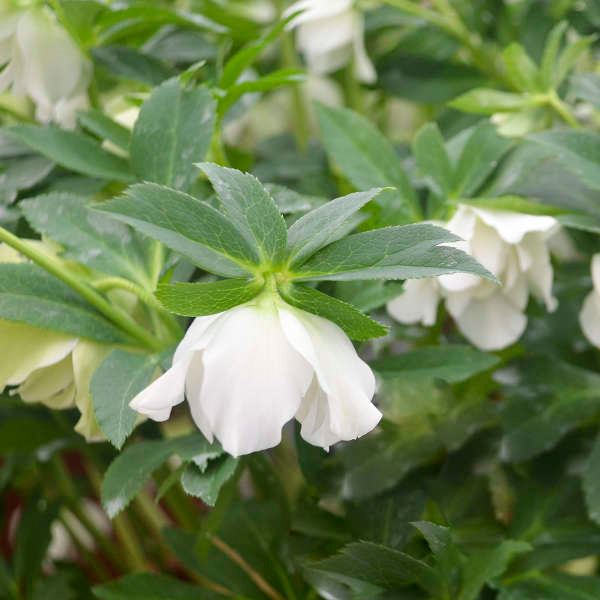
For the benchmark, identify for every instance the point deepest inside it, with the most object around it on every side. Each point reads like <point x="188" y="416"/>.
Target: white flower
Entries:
<point x="589" y="317"/>
<point x="514" y="247"/>
<point x="249" y="370"/>
<point x="330" y="35"/>
<point x="43" y="63"/>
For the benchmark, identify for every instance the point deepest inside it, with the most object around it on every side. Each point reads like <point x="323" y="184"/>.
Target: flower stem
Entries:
<point x="114" y="314"/>
<point x="561" y="108"/>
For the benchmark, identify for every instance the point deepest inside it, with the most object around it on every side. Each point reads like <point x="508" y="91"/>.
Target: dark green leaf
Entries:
<point x="129" y="63"/>
<point x="174" y="130"/>
<point x="431" y="156"/>
<point x="104" y="127"/>
<point x="206" y="484"/>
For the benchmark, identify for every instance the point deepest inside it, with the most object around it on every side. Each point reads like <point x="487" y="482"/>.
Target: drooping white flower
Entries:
<point x="514" y="247"/>
<point x="330" y="35"/>
<point x="249" y="370"/>
<point x="589" y="316"/>
<point x="43" y="63"/>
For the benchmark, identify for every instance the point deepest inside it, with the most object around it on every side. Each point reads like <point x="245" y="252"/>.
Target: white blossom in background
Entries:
<point x="249" y="370"/>
<point x="589" y="316"/>
<point x="41" y="62"/>
<point x="330" y="34"/>
<point x="515" y="248"/>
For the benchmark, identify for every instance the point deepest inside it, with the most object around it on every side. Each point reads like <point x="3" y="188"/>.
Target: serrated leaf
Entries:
<point x="357" y="325"/>
<point x="451" y="363"/>
<point x="365" y="157"/>
<point x="127" y="474"/>
<point x="31" y="295"/>
<point x="187" y="225"/>
<point x="150" y="586"/>
<point x="118" y="379"/>
<point x="403" y="252"/>
<point x="72" y="150"/>
<point x="96" y="122"/>
<point x="90" y="237"/>
<point x="433" y="161"/>
<point x="315" y="229"/>
<point x="197" y="299"/>
<point x="251" y="210"/>
<point x="174" y="129"/>
<point x="380" y="566"/>
<point x="486" y="101"/>
<point x="207" y="484"/>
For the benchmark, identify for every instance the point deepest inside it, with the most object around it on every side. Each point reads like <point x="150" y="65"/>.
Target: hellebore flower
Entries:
<point x="514" y="247"/>
<point x="43" y="63"/>
<point x="330" y="35"/>
<point x="249" y="370"/>
<point x="589" y="317"/>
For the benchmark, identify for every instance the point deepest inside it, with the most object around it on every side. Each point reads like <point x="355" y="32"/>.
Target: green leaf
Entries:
<point x="198" y="299"/>
<point x="578" y="151"/>
<point x="72" y="150"/>
<point x="206" y="484"/>
<point x="379" y="565"/>
<point x="22" y="173"/>
<point x="365" y="157"/>
<point x="30" y="295"/>
<point x="554" y="399"/>
<point x="118" y="379"/>
<point x="91" y="238"/>
<point x="431" y="156"/>
<point x="356" y="325"/>
<point x="403" y="252"/>
<point x="242" y="59"/>
<point x="485" y="101"/>
<point x="480" y="156"/>
<point x="522" y="72"/>
<point x="368" y="295"/>
<point x="485" y="565"/>
<point x="551" y="48"/>
<point x="553" y="586"/>
<point x="569" y="56"/>
<point x="316" y="229"/>
<point x="129" y="63"/>
<point x="451" y="363"/>
<point x="127" y="474"/>
<point x="174" y="129"/>
<point x="251" y="210"/>
<point x="150" y="586"/>
<point x="582" y="222"/>
<point x="96" y="122"/>
<point x="586" y="86"/>
<point x="187" y="225"/>
<point x="591" y="482"/>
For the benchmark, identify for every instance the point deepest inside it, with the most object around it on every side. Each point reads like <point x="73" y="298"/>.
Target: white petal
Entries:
<point x="418" y="303"/>
<point x="314" y="416"/>
<point x="589" y="318"/>
<point x="463" y="222"/>
<point x="51" y="385"/>
<point x="315" y="10"/>
<point x="540" y="274"/>
<point x="253" y="380"/>
<point x="325" y="35"/>
<point x="493" y="323"/>
<point x="193" y="389"/>
<point x="488" y="248"/>
<point x="512" y="226"/>
<point x="363" y="67"/>
<point x="345" y="380"/>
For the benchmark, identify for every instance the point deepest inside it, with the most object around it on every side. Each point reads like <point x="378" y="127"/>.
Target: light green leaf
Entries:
<point x="104" y="127"/>
<point x="251" y="210"/>
<point x="431" y="156"/>
<point x="485" y="101"/>
<point x="315" y="229"/>
<point x="118" y="379"/>
<point x="127" y="474"/>
<point x="569" y="56"/>
<point x="197" y="299"/>
<point x="187" y="225"/>
<point x="174" y="129"/>
<point x="357" y="325"/>
<point x="364" y="155"/>
<point x="452" y="363"/>
<point x="29" y="294"/>
<point x="404" y="252"/>
<point x="551" y="48"/>
<point x="22" y="173"/>
<point x="206" y="484"/>
<point x="91" y="238"/>
<point x="582" y="222"/>
<point x="72" y="150"/>
<point x="520" y="69"/>
<point x="586" y="86"/>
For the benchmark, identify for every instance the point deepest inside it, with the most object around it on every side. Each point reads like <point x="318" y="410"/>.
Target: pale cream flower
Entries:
<point x="589" y="316"/>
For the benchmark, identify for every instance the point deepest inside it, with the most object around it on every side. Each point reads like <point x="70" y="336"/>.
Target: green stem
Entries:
<point x="561" y="108"/>
<point x="216" y="148"/>
<point x="352" y="88"/>
<point x="117" y="316"/>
